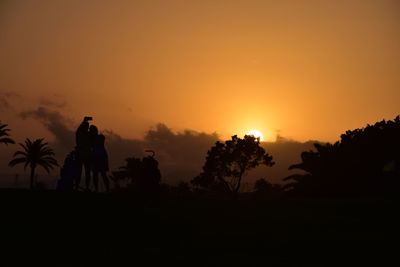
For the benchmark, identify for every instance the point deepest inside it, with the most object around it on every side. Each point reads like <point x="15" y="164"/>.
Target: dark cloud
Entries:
<point x="4" y="104"/>
<point x="120" y="148"/>
<point x="56" y="124"/>
<point x="55" y="102"/>
<point x="6" y="100"/>
<point x="181" y="154"/>
<point x="12" y="94"/>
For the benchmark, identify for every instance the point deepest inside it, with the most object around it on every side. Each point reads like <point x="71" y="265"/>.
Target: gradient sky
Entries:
<point x="308" y="69"/>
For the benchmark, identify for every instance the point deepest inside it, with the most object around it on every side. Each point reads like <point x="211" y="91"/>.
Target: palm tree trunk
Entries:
<point x="32" y="176"/>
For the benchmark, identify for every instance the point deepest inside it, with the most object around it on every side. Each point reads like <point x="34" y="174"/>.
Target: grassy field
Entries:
<point x="83" y="229"/>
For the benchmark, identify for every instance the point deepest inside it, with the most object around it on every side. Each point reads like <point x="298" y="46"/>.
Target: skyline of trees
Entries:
<point x="364" y="161"/>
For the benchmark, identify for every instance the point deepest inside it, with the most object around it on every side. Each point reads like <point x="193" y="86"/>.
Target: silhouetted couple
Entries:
<point x="91" y="155"/>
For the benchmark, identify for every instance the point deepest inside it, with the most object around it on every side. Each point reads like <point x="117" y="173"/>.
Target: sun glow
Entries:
<point x="256" y="134"/>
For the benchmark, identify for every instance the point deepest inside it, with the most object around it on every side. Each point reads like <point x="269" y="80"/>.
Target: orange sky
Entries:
<point x="309" y="70"/>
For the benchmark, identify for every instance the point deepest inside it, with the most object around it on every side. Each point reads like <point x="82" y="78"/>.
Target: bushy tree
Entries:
<point x="357" y="164"/>
<point x="227" y="163"/>
<point x="142" y="174"/>
<point x="262" y="186"/>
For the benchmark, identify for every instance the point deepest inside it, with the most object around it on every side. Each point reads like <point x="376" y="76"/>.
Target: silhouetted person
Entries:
<point x="99" y="158"/>
<point x="68" y="173"/>
<point x="83" y="150"/>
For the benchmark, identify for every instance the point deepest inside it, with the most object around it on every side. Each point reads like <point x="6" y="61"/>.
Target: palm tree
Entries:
<point x="34" y="154"/>
<point x="4" y="136"/>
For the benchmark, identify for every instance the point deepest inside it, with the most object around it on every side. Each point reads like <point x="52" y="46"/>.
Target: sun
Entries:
<point x="256" y="134"/>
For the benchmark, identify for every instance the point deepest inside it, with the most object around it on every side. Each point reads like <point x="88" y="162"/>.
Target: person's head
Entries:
<point x="93" y="130"/>
<point x="84" y="127"/>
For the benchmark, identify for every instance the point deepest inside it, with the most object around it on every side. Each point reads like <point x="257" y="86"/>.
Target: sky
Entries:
<point x="176" y="76"/>
<point x="304" y="69"/>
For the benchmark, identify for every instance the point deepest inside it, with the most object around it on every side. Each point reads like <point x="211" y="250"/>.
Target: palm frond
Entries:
<point x="4" y="135"/>
<point x="16" y="161"/>
<point x="50" y="160"/>
<point x="295" y="177"/>
<point x="24" y="146"/>
<point x="47" y="152"/>
<point x="45" y="166"/>
<point x="20" y="153"/>
<point x="7" y="140"/>
<point x="296" y="166"/>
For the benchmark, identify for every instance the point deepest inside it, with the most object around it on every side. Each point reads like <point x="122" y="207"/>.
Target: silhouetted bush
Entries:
<point x="263" y="188"/>
<point x="262" y="185"/>
<point x="142" y="175"/>
<point x="364" y="162"/>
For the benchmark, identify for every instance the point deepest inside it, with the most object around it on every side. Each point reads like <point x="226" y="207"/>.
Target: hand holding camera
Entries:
<point x="87" y="118"/>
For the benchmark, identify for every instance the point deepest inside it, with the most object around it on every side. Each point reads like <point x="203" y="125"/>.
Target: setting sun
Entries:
<point x="256" y="134"/>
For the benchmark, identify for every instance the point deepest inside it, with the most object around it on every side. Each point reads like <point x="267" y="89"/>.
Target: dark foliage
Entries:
<point x="181" y="190"/>
<point x="365" y="161"/>
<point x="142" y="175"/>
<point x="263" y="186"/>
<point x="4" y="135"/>
<point x="227" y="163"/>
<point x="263" y="189"/>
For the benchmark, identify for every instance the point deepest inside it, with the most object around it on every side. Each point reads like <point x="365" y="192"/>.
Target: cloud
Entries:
<point x="182" y="154"/>
<point x="56" y="124"/>
<point x="54" y="102"/>
<point x="120" y="148"/>
<point x="6" y="100"/>
<point x="4" y="104"/>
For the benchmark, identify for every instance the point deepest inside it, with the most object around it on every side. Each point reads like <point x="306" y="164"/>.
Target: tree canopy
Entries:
<point x="227" y="163"/>
<point x="364" y="161"/>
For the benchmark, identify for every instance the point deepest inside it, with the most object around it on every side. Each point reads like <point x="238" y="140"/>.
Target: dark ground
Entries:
<point x="81" y="229"/>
